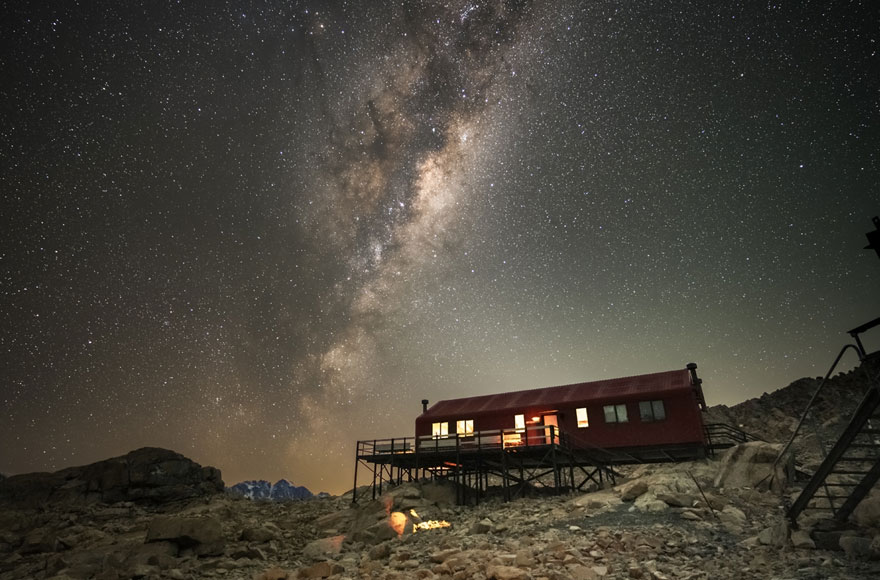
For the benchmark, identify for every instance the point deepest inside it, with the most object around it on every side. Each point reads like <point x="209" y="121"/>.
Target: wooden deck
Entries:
<point x="513" y="459"/>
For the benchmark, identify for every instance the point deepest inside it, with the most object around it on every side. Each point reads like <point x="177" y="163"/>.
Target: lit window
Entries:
<point x="615" y="414"/>
<point x="464" y="427"/>
<point x="519" y="423"/>
<point x="512" y="439"/>
<point x="652" y="411"/>
<point x="439" y="430"/>
<point x="582" y="418"/>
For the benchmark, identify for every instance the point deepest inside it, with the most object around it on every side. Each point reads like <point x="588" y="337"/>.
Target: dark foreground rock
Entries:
<point x="147" y="476"/>
<point x="700" y="520"/>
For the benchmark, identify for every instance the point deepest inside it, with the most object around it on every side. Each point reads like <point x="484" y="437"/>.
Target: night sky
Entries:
<point x="256" y="232"/>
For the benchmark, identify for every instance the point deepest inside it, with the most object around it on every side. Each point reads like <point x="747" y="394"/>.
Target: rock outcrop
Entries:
<point x="148" y="476"/>
<point x="774" y="416"/>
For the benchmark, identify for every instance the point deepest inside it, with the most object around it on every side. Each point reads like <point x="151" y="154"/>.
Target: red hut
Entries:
<point x="655" y="411"/>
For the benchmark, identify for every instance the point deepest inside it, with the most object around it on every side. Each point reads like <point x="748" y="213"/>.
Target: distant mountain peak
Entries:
<point x="281" y="490"/>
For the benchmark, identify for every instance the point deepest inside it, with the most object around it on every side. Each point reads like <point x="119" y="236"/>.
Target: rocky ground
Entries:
<point x="154" y="514"/>
<point x="692" y="520"/>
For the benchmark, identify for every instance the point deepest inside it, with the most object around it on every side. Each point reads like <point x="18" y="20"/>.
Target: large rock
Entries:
<point x="506" y="573"/>
<point x="321" y="570"/>
<point x="633" y="491"/>
<point x="677" y="499"/>
<point x="147" y="475"/>
<point x="775" y="535"/>
<point x="867" y="513"/>
<point x="751" y="465"/>
<point x="441" y="494"/>
<point x="801" y="539"/>
<point x="323" y="548"/>
<point x="370" y="524"/>
<point x="858" y="547"/>
<point x="202" y="535"/>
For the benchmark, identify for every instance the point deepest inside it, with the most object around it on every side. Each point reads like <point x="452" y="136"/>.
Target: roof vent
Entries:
<point x="424" y="405"/>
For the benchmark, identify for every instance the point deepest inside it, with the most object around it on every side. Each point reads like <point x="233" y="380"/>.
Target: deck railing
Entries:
<point x="527" y="437"/>
<point x="722" y="436"/>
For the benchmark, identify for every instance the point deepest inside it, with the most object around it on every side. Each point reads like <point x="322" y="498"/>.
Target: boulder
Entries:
<point x="274" y="573"/>
<point x="506" y="573"/>
<point x="827" y="540"/>
<point x="374" y="534"/>
<point x="378" y="552"/>
<point x="323" y="548"/>
<point x="649" y="503"/>
<point x="252" y="553"/>
<point x="160" y="554"/>
<point x="39" y="540"/>
<point x="632" y="491"/>
<point x="775" y="535"/>
<point x="483" y="526"/>
<point x="751" y="465"/>
<point x="260" y="534"/>
<point x="858" y="547"/>
<point x="732" y="518"/>
<point x="338" y="520"/>
<point x="801" y="540"/>
<point x="673" y="499"/>
<point x="581" y="572"/>
<point x="442" y="556"/>
<point x="439" y="493"/>
<point x="867" y="513"/>
<point x="202" y="535"/>
<point x="321" y="570"/>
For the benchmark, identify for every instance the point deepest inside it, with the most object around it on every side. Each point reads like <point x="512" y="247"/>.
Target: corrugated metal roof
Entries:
<point x="550" y="397"/>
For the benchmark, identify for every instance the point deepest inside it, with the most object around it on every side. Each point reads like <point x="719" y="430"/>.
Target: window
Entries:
<point x="519" y="423"/>
<point x="439" y="430"/>
<point x="464" y="427"/>
<point x="652" y="410"/>
<point x="615" y="414"/>
<point x="582" y="418"/>
<point x="512" y="439"/>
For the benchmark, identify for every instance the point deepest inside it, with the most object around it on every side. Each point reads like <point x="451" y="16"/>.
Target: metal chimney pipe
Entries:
<point x="693" y="368"/>
<point x="424" y="405"/>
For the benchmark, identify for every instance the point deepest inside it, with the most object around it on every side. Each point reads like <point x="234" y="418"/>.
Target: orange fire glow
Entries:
<point x="399" y="520"/>
<point x="431" y="525"/>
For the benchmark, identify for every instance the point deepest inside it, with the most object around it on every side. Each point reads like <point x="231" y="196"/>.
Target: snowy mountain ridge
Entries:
<point x="281" y="490"/>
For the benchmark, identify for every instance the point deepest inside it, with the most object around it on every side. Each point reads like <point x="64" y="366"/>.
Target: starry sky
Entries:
<point x="256" y="232"/>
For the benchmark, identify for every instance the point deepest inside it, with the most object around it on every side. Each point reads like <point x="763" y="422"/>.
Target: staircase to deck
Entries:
<point x="851" y="468"/>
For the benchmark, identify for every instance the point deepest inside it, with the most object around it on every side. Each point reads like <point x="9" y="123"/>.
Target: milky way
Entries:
<point x="255" y="234"/>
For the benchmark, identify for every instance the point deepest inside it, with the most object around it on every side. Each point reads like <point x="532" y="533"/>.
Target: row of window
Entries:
<point x="648" y="411"/>
<point x="463" y="427"/>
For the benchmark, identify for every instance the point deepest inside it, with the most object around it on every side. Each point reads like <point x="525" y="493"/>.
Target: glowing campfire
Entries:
<point x="431" y="525"/>
<point x="426" y="525"/>
<point x="400" y="522"/>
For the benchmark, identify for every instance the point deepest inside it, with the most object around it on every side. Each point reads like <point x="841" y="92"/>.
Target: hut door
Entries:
<point x="551" y="420"/>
